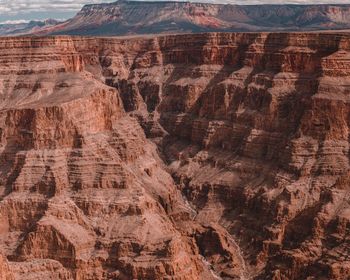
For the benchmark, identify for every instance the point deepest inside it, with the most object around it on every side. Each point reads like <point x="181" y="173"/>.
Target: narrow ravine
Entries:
<point x="244" y="272"/>
<point x="244" y="275"/>
<point x="190" y="208"/>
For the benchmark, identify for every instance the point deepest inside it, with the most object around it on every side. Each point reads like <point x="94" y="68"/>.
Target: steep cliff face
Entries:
<point x="176" y="157"/>
<point x="83" y="192"/>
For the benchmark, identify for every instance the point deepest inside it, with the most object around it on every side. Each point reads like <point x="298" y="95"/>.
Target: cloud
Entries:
<point x="18" y="21"/>
<point x="27" y="6"/>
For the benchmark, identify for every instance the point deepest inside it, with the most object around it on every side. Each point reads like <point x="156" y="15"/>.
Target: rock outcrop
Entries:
<point x="209" y="156"/>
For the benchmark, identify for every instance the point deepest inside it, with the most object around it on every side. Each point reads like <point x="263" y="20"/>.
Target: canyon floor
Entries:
<point x="206" y="156"/>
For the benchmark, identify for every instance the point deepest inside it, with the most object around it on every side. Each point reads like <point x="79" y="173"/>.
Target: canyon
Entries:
<point x="198" y="156"/>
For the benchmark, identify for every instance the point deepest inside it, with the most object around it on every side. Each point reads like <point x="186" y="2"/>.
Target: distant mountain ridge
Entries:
<point x="143" y="17"/>
<point x="22" y="28"/>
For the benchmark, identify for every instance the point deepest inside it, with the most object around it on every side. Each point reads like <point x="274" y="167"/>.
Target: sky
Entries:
<point x="25" y="10"/>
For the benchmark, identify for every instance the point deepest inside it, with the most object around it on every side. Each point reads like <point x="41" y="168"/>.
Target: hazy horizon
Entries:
<point x="12" y="11"/>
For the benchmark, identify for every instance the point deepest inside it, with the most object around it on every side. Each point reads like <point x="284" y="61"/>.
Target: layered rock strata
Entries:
<point x="222" y="155"/>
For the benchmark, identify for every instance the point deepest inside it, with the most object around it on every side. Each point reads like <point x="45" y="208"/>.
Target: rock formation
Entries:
<point x="209" y="156"/>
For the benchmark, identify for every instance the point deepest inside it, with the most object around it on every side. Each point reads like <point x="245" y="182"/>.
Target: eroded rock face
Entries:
<point x="84" y="194"/>
<point x="5" y="272"/>
<point x="176" y="157"/>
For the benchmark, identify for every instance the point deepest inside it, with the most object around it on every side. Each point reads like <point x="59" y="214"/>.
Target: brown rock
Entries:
<point x="5" y="272"/>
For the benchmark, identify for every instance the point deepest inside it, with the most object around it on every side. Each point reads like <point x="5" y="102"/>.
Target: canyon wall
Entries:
<point x="207" y="156"/>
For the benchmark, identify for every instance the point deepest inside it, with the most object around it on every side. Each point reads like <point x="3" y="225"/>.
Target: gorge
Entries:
<point x="202" y="156"/>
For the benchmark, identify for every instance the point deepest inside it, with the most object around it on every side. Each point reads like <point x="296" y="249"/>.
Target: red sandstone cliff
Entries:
<point x="253" y="129"/>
